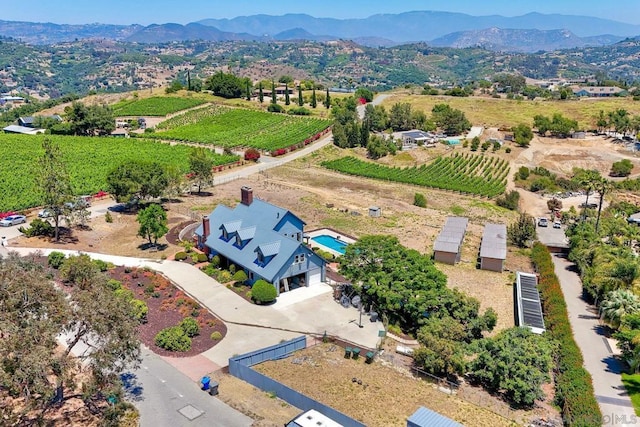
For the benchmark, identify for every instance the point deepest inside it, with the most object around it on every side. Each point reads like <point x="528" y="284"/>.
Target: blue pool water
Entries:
<point x="453" y="141"/>
<point x="330" y="242"/>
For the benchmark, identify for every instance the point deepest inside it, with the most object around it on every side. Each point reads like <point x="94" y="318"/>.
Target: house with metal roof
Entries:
<point x="23" y="130"/>
<point x="424" y="417"/>
<point x="414" y="138"/>
<point x="493" y="248"/>
<point x="528" y="305"/>
<point x="264" y="240"/>
<point x="448" y="245"/>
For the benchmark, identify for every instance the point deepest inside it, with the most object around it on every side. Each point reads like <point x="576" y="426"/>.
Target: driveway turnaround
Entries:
<point x="599" y="360"/>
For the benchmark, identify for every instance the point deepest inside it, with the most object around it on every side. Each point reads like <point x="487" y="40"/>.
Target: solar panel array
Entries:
<point x="529" y="305"/>
<point x="451" y="235"/>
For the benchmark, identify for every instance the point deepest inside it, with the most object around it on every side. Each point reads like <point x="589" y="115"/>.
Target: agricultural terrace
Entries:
<point x="238" y="127"/>
<point x="505" y="113"/>
<point x="155" y="106"/>
<point x="465" y="173"/>
<point x="88" y="161"/>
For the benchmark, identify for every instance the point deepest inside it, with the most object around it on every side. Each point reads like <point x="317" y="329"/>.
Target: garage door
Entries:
<point x="315" y="277"/>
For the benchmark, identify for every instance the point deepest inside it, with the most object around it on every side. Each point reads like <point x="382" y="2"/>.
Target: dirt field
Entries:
<point x="381" y="397"/>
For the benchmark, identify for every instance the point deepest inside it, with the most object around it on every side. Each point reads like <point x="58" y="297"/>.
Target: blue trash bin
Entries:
<point x="206" y="382"/>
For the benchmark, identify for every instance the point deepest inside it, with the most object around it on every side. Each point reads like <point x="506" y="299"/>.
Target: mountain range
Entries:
<point x="527" y="33"/>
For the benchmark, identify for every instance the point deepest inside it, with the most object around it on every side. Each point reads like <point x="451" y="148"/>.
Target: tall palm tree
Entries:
<point x="617" y="304"/>
<point x="603" y="186"/>
<point x="587" y="179"/>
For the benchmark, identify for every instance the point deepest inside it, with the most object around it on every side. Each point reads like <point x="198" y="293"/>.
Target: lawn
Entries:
<point x="155" y="106"/>
<point x="504" y="113"/>
<point x="632" y="384"/>
<point x="88" y="162"/>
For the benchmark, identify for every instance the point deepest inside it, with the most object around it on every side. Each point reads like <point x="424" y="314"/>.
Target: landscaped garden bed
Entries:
<point x="168" y="306"/>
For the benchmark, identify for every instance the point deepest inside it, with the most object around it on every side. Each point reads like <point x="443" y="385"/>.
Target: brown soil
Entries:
<point x="167" y="307"/>
<point x="381" y="396"/>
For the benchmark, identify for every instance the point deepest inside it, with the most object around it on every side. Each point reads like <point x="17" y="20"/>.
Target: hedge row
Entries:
<point x="574" y="387"/>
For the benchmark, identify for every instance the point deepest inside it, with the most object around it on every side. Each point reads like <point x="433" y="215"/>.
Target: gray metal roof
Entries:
<point x="416" y="134"/>
<point x="424" y="417"/>
<point x="528" y="302"/>
<point x="494" y="241"/>
<point x="452" y="234"/>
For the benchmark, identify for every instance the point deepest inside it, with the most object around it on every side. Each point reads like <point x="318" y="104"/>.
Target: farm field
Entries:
<point x="504" y="113"/>
<point x="88" y="161"/>
<point x="226" y="127"/>
<point x="465" y="173"/>
<point x="155" y="106"/>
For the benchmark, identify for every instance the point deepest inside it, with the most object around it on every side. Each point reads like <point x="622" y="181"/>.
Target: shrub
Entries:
<point x="621" y="168"/>
<point x="507" y="150"/>
<point x="554" y="204"/>
<point x="55" y="259"/>
<point x="223" y="276"/>
<point x="252" y="155"/>
<point x="240" y="276"/>
<point x="215" y="336"/>
<point x="300" y="111"/>
<point x="102" y="265"/>
<point x="108" y="218"/>
<point x="38" y="227"/>
<point x="173" y="339"/>
<point x="114" y="284"/>
<point x="215" y="261"/>
<point x="125" y="294"/>
<point x="523" y="173"/>
<point x="275" y="108"/>
<point x="232" y="268"/>
<point x="420" y="200"/>
<point x="181" y="256"/>
<point x="574" y="387"/>
<point x="139" y="309"/>
<point x="201" y="258"/>
<point x="263" y="292"/>
<point x="190" y="326"/>
<point x="509" y="200"/>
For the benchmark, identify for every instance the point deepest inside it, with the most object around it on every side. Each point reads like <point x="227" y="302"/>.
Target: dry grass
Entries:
<point x="504" y="113"/>
<point x="386" y="396"/>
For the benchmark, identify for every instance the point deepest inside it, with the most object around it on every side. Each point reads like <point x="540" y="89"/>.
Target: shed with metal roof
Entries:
<point x="493" y="249"/>
<point x="448" y="245"/>
<point x="424" y="417"/>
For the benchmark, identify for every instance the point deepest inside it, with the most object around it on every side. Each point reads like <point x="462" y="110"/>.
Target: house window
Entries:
<point x="296" y="259"/>
<point x="301" y="257"/>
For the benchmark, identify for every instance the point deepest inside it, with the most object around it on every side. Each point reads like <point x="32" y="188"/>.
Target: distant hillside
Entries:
<point x="301" y="34"/>
<point x="510" y="40"/>
<point x="420" y="25"/>
<point x="176" y="32"/>
<point x="48" y="33"/>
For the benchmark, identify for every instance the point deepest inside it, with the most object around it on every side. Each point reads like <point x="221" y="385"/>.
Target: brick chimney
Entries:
<point x="246" y="195"/>
<point x="206" y="230"/>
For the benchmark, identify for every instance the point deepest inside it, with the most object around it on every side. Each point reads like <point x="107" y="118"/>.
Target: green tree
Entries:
<point x="419" y="200"/>
<point x="621" y="168"/>
<point x="53" y="182"/>
<point x="314" y="100"/>
<point x="376" y="117"/>
<point x="400" y="116"/>
<point x="201" y="166"/>
<point x="286" y="79"/>
<point x="450" y="120"/>
<point x="287" y="100"/>
<point x="327" y="100"/>
<point x="300" y="99"/>
<point x="587" y="180"/>
<point x="225" y="85"/>
<point x="516" y="363"/>
<point x="260" y="93"/>
<point x="522" y="232"/>
<point x="618" y="304"/>
<point x="135" y="179"/>
<point x="509" y="201"/>
<point x="601" y="121"/>
<point x="153" y="223"/>
<point x="522" y="135"/>
<point x="274" y="100"/>
<point x="90" y="120"/>
<point x="248" y="91"/>
<point x="364" y="93"/>
<point x="441" y="351"/>
<point x="263" y="292"/>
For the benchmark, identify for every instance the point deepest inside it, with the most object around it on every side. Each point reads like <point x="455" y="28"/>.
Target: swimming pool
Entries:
<point x="330" y="242"/>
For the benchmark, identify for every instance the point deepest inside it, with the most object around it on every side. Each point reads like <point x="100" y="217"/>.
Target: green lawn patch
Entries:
<point x="632" y="384"/>
<point x="155" y="106"/>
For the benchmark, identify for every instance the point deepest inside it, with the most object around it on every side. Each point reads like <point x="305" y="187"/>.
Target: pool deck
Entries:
<point x="328" y="232"/>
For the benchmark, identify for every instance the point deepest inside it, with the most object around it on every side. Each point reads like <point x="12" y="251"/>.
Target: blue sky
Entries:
<point x="161" y="11"/>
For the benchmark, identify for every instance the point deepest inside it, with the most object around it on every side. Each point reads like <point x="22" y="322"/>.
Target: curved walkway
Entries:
<point x="599" y="360"/>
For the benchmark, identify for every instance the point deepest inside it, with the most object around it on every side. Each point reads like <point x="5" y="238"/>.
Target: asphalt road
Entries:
<point x="166" y="397"/>
<point x="604" y="367"/>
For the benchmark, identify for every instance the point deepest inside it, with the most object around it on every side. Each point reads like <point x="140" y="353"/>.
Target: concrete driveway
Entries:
<point x="599" y="360"/>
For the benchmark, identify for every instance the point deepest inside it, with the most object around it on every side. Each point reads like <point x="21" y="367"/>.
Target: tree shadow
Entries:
<point x="132" y="387"/>
<point x="201" y="193"/>
<point x="153" y="247"/>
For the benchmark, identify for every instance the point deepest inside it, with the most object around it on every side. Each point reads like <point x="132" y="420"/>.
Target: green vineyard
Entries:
<point x="236" y="127"/>
<point x="88" y="161"/>
<point x="465" y="173"/>
<point x="155" y="106"/>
